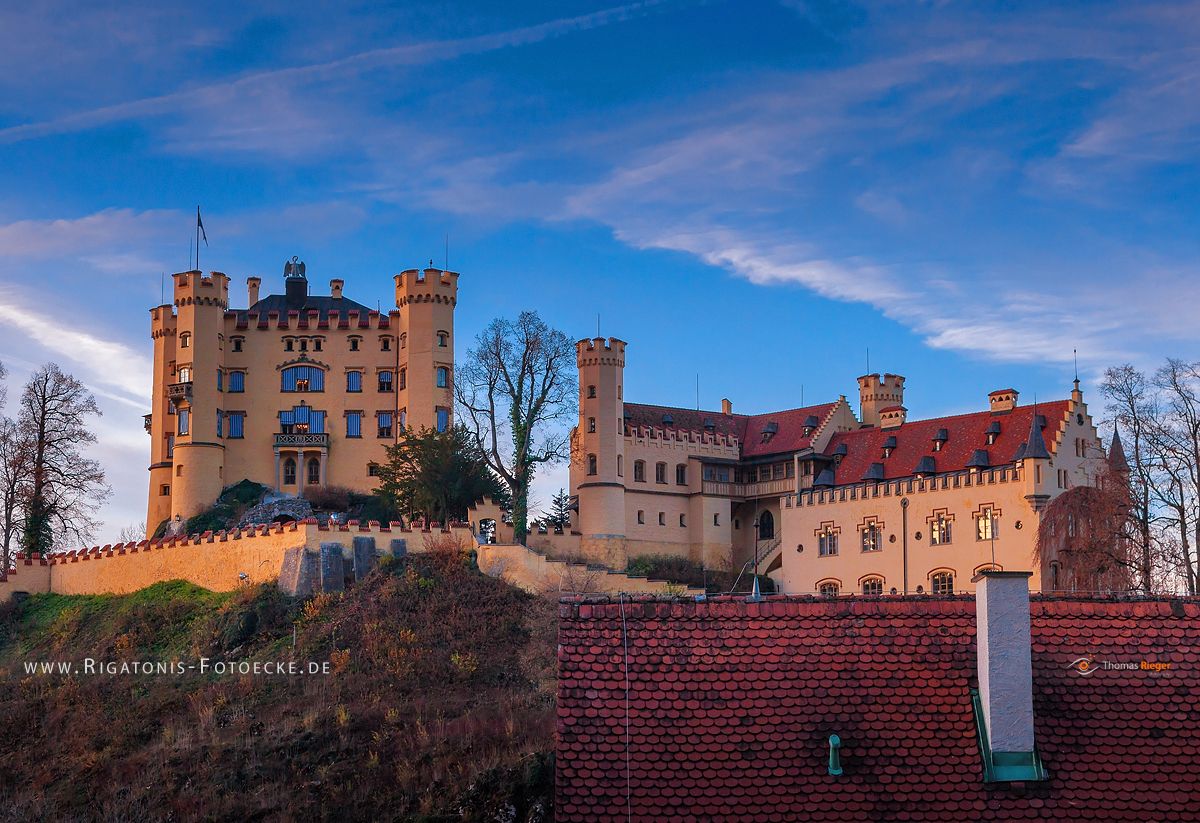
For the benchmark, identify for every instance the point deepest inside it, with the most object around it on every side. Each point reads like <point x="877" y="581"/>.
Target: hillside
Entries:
<point x="438" y="704"/>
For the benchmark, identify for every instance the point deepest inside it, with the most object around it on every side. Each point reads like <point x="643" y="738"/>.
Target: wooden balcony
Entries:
<point x="765" y="488"/>
<point x="302" y="440"/>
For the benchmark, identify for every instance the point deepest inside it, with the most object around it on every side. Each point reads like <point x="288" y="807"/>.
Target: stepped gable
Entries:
<point x="747" y="428"/>
<point x="966" y="433"/>
<point x="731" y="705"/>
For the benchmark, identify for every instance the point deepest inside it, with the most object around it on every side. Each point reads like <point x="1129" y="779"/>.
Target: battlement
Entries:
<point x="712" y="443"/>
<point x="600" y="351"/>
<point x="311" y="319"/>
<point x="163" y="321"/>
<point x="196" y="288"/>
<point x="426" y="286"/>
<point x="870" y="489"/>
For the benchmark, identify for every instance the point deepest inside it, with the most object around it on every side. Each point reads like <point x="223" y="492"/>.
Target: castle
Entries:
<point x="296" y="391"/>
<point x="821" y="499"/>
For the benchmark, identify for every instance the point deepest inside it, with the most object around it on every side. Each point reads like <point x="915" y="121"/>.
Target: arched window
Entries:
<point x="443" y="377"/>
<point x="314" y="471"/>
<point x="872" y="586"/>
<point x="185" y="340"/>
<point x="442" y="338"/>
<point x="829" y="588"/>
<point x="766" y="526"/>
<point x="289" y="472"/>
<point x="942" y="583"/>
<point x="591" y="469"/>
<point x="302" y="379"/>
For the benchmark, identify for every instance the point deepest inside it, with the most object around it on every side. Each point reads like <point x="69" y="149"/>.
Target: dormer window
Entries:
<point x="668" y="420"/>
<point x="993" y="431"/>
<point x="889" y="446"/>
<point x="940" y="439"/>
<point x="769" y="431"/>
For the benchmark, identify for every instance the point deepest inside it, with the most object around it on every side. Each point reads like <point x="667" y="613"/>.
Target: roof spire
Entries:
<point x="1116" y="454"/>
<point x="1035" y="446"/>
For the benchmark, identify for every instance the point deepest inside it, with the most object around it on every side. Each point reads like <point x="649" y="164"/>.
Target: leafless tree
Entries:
<point x="64" y="485"/>
<point x="133" y="533"/>
<point x="515" y="388"/>
<point x="1084" y="537"/>
<point x="1177" y="452"/>
<point x="14" y="478"/>
<point x="1132" y="404"/>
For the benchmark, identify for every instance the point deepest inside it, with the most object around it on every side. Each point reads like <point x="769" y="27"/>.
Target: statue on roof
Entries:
<point x="293" y="267"/>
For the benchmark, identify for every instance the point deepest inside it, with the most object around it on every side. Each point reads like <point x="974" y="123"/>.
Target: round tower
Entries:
<point x="160" y="423"/>
<point x="199" y="455"/>
<point x="599" y="452"/>
<point x="425" y="350"/>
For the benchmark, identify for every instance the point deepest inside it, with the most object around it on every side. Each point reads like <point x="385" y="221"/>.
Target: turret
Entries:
<point x="252" y="286"/>
<point x="876" y="394"/>
<point x="161" y="428"/>
<point x="600" y="442"/>
<point x="425" y="350"/>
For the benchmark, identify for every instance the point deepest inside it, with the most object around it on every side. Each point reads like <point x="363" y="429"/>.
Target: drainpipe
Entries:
<point x="904" y="537"/>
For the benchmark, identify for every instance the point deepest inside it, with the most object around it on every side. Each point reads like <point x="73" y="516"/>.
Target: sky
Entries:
<point x="760" y="197"/>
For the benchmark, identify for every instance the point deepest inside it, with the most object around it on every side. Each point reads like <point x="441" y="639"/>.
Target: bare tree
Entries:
<point x="517" y="383"/>
<point x="64" y="486"/>
<point x="1132" y="404"/>
<point x="133" y="533"/>
<point x="1177" y="440"/>
<point x="14" y="477"/>
<point x="1084" y="537"/>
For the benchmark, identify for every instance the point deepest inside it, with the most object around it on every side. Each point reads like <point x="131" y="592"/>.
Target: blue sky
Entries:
<point x="754" y="192"/>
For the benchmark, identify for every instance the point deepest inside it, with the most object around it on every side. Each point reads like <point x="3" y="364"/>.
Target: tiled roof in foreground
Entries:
<point x="731" y="705"/>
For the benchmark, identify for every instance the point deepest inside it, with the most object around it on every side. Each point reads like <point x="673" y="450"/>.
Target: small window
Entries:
<point x="873" y="586"/>
<point x="237" y="425"/>
<point x="354" y="424"/>
<point x="289" y="344"/>
<point x="184" y="420"/>
<point x="443" y="377"/>
<point x="683" y="520"/>
<point x="220" y="380"/>
<point x="304" y="344"/>
<point x="660" y="472"/>
<point x="403" y="379"/>
<point x="317" y="344"/>
<point x="591" y="391"/>
<point x="641" y="517"/>
<point x="385" y="344"/>
<point x="591" y="464"/>
<point x="662" y="518"/>
<point x="354" y="343"/>
<point x="220" y="423"/>
<point x="443" y="419"/>
<point x="986" y="525"/>
<point x="620" y="465"/>
<point x="383" y="421"/>
<point x="939" y="531"/>
<point x="872" y="538"/>
<point x="639" y="471"/>
<point x="289" y="472"/>
<point x="591" y="425"/>
<point x="385" y="381"/>
<point x="164" y="490"/>
<point x="185" y="341"/>
<point x="237" y="343"/>
<point x="681" y="474"/>
<point x="830" y="590"/>
<point x="942" y="583"/>
<point x="372" y="470"/>
<point x="314" y="472"/>
<point x="716" y="519"/>
<point x="442" y="339"/>
<point x="237" y="381"/>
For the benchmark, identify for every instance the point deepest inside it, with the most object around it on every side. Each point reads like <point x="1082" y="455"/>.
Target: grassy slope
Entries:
<point x="440" y="705"/>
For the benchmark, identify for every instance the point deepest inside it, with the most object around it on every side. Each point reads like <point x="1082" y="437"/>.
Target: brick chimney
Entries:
<point x="726" y="406"/>
<point x="1002" y="400"/>
<point x="335" y="288"/>
<point x="892" y="417"/>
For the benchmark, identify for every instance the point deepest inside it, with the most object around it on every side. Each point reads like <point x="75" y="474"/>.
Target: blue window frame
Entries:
<point x="354" y="424"/>
<point x="443" y="419"/>
<point x="237" y="424"/>
<point x="183" y="418"/>
<point x="237" y="381"/>
<point x="302" y="419"/>
<point x="354" y="381"/>
<point x="443" y="377"/>
<point x="220" y="380"/>
<point x="303" y="379"/>
<point x="384" y="421"/>
<point x="385" y="381"/>
<point x="220" y="424"/>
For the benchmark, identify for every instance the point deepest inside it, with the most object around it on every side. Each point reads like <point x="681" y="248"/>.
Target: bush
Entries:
<point x="690" y="573"/>
<point x="328" y="498"/>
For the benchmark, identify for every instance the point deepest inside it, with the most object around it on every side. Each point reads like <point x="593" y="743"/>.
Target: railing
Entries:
<point x="302" y="439"/>
<point x="766" y="488"/>
<point x="179" y="391"/>
<point x="767" y="548"/>
<point x="148" y="422"/>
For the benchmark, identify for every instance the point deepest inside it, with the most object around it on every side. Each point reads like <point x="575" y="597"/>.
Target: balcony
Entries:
<point x="765" y="488"/>
<point x="301" y="439"/>
<point x="179" y="391"/>
<point x="148" y="422"/>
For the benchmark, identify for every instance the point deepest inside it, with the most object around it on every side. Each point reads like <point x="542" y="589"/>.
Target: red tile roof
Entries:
<point x="747" y="428"/>
<point x="731" y="704"/>
<point x="966" y="433"/>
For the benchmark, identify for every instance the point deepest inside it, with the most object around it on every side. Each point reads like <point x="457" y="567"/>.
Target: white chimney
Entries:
<point x="252" y="284"/>
<point x="1005" y="664"/>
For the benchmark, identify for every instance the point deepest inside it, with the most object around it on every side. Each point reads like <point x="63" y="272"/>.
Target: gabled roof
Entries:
<point x="731" y="704"/>
<point x="789" y="434"/>
<point x="1116" y="454"/>
<point x="965" y="433"/>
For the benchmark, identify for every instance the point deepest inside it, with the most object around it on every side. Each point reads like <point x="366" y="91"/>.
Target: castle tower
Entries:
<point x="600" y="439"/>
<point x="425" y="353"/>
<point x="160" y="423"/>
<point x="197" y="465"/>
<point x="876" y="394"/>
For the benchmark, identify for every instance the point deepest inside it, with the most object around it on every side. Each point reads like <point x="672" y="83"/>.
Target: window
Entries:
<point x="872" y="537"/>
<point x="185" y="341"/>
<point x="443" y="377"/>
<point x="403" y="379"/>
<point x="354" y="343"/>
<point x="170" y="445"/>
<point x="986" y="525"/>
<point x="662" y="518"/>
<point x="443" y="419"/>
<point x="830" y="590"/>
<point x="184" y="418"/>
<point x="303" y="379"/>
<point x="827" y="542"/>
<point x="237" y="343"/>
<point x="591" y="425"/>
<point x="372" y="470"/>
<point x="681" y="474"/>
<point x="289" y="472"/>
<point x="317" y="344"/>
<point x="302" y="420"/>
<point x="237" y="381"/>
<point x="385" y="344"/>
<point x="384" y="423"/>
<point x="660" y="472"/>
<point x="591" y="464"/>
<point x="403" y="419"/>
<point x="939" y="531"/>
<point x="639" y="471"/>
<point x="620" y="465"/>
<point x="354" y="381"/>
<point x="641" y="517"/>
<point x="220" y="421"/>
<point x="591" y="391"/>
<point x="385" y="381"/>
<point x="442" y="337"/>
<point x="716" y="519"/>
<point x="164" y="490"/>
<point x="354" y="424"/>
<point x="220" y="380"/>
<point x="872" y="586"/>
<point x="766" y="526"/>
<point x="303" y="345"/>
<point x="683" y="520"/>
<point x="942" y="583"/>
<point x="314" y="472"/>
<point x="237" y="424"/>
<point x="185" y="374"/>
<point x="289" y="344"/>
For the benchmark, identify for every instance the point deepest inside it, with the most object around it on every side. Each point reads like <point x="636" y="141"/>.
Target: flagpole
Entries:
<point x="197" y="238"/>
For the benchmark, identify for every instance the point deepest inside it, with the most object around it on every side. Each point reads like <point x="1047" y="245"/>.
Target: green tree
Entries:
<point x="558" y="518"/>
<point x="437" y="474"/>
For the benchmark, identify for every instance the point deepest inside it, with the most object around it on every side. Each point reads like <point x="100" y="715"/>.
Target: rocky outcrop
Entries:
<point x="279" y="509"/>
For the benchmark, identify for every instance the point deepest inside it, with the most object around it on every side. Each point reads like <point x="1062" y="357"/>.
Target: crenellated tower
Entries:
<point x="425" y="354"/>
<point x="160" y="423"/>
<point x="599" y="447"/>
<point x="877" y="393"/>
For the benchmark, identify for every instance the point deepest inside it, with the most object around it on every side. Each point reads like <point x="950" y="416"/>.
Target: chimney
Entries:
<point x="892" y="417"/>
<point x="1002" y="400"/>
<point x="252" y="284"/>
<point x="1005" y="667"/>
<point x="726" y="406"/>
<point x="877" y="393"/>
<point x="335" y="288"/>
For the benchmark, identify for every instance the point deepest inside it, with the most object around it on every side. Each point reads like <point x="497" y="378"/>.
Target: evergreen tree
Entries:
<point x="559" y="517"/>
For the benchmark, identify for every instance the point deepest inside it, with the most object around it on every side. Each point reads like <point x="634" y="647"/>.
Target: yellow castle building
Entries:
<point x="821" y="499"/>
<point x="295" y="391"/>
